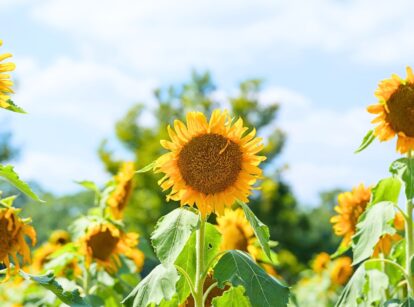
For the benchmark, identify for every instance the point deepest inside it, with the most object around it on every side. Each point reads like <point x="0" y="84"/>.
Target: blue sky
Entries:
<point x="81" y="64"/>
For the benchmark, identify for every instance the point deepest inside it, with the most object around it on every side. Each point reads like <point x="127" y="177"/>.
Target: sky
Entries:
<point x="82" y="63"/>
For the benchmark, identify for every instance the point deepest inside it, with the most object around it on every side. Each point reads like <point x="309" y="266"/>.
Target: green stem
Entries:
<point x="409" y="241"/>
<point x="200" y="256"/>
<point x="86" y="281"/>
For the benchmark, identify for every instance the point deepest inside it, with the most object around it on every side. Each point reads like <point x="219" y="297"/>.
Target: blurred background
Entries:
<point x="102" y="79"/>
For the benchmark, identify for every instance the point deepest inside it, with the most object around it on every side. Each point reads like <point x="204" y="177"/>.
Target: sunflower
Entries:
<point x="56" y="240"/>
<point x="350" y="207"/>
<point x="12" y="238"/>
<point x="118" y="199"/>
<point x="104" y="243"/>
<point x="395" y="111"/>
<point x="341" y="270"/>
<point x="236" y="232"/>
<point x="321" y="262"/>
<point x="5" y="82"/>
<point x="210" y="164"/>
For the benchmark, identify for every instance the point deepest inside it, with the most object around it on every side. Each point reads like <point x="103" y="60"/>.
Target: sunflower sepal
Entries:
<point x="146" y="168"/>
<point x="366" y="141"/>
<point x="14" y="108"/>
<point x="8" y="201"/>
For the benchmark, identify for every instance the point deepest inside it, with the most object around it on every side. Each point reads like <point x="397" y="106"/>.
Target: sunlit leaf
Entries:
<point x="234" y="297"/>
<point x="260" y="230"/>
<point x="404" y="169"/>
<point x="366" y="141"/>
<point x="373" y="223"/>
<point x="262" y="289"/>
<point x="158" y="285"/>
<point x="387" y="189"/>
<point x="71" y="298"/>
<point x="8" y="173"/>
<point x="172" y="232"/>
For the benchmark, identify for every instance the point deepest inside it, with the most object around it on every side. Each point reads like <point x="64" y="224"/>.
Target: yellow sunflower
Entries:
<point x="341" y="270"/>
<point x="118" y="199"/>
<point x="104" y="243"/>
<point x="210" y="163"/>
<point x="12" y="238"/>
<point x="321" y="262"/>
<point x="395" y="111"/>
<point x="350" y="207"/>
<point x="5" y="82"/>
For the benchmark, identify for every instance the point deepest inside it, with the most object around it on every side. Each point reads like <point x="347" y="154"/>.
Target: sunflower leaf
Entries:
<point x="14" y="108"/>
<point x="47" y="281"/>
<point x="262" y="289"/>
<point x="404" y="169"/>
<point x="260" y="230"/>
<point x="387" y="189"/>
<point x="366" y="141"/>
<point x="172" y="233"/>
<point x="147" y="168"/>
<point x="159" y="285"/>
<point x="234" y="297"/>
<point x="8" y="173"/>
<point x="373" y="223"/>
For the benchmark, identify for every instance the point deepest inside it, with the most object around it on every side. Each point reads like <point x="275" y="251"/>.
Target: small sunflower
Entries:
<point x="350" y="207"/>
<point x="5" y="82"/>
<point x="12" y="238"/>
<point x="210" y="164"/>
<point x="236" y="232"/>
<point x="118" y="199"/>
<point x="321" y="262"/>
<point x="341" y="270"/>
<point x="104" y="243"/>
<point x="395" y="111"/>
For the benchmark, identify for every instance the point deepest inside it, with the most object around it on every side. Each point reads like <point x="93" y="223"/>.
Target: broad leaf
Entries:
<point x="352" y="292"/>
<point x="260" y="230"/>
<point x="409" y="302"/>
<point x="187" y="259"/>
<point x="404" y="169"/>
<point x="376" y="284"/>
<point x="387" y="189"/>
<point x="366" y="141"/>
<point x="71" y="298"/>
<point x="374" y="222"/>
<point x="157" y="286"/>
<point x="8" y="173"/>
<point x="172" y="232"/>
<point x="234" y="297"/>
<point x="262" y="289"/>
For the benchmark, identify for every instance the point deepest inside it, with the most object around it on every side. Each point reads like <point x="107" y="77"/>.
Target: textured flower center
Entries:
<point x="102" y="245"/>
<point x="401" y="106"/>
<point x="210" y="163"/>
<point x="6" y="238"/>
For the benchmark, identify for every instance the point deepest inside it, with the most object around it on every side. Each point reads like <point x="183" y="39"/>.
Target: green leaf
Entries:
<point x="90" y="185"/>
<point x="260" y="230"/>
<point x="342" y="249"/>
<point x="409" y="302"/>
<point x="404" y="169"/>
<point x="158" y="285"/>
<point x="352" y="292"/>
<point x="376" y="284"/>
<point x="387" y="189"/>
<point x="234" y="297"/>
<point x="366" y="141"/>
<point x="373" y="223"/>
<point x="147" y="168"/>
<point x="14" y="108"/>
<point x="8" y="173"/>
<point x="71" y="298"/>
<point x="262" y="289"/>
<point x="187" y="259"/>
<point x="172" y="232"/>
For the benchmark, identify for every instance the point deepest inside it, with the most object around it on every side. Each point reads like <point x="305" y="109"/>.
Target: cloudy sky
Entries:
<point x="82" y="63"/>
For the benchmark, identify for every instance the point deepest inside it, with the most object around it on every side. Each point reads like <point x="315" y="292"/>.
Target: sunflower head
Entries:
<point x="59" y="237"/>
<point x="211" y="163"/>
<point x="104" y="243"/>
<point x="118" y="199"/>
<point x="5" y="82"/>
<point x="341" y="270"/>
<point x="350" y="207"/>
<point x="321" y="262"/>
<point x="395" y="111"/>
<point x="13" y="231"/>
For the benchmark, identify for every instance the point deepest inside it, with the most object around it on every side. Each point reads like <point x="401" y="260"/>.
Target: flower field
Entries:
<point x="199" y="215"/>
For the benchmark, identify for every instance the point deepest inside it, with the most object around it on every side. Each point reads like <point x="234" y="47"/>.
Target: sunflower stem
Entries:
<point x="200" y="257"/>
<point x="409" y="242"/>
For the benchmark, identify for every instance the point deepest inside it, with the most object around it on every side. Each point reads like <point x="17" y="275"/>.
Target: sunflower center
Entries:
<point x="6" y="238"/>
<point x="401" y="107"/>
<point x="102" y="245"/>
<point x="210" y="163"/>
